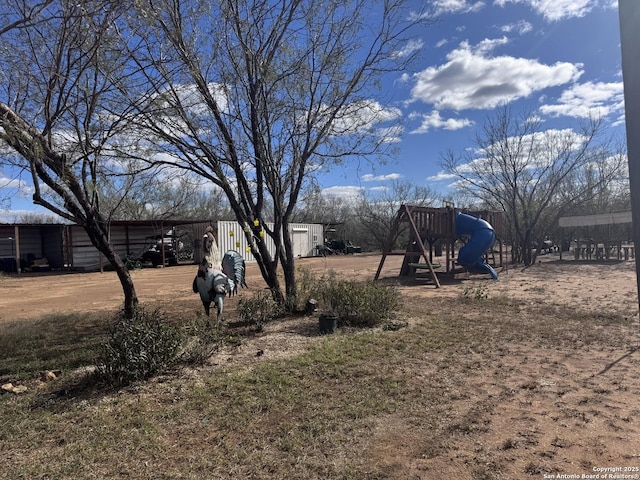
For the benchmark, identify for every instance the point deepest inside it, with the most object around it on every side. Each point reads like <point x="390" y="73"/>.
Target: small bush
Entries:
<point x="306" y="282"/>
<point x="358" y="304"/>
<point x="138" y="348"/>
<point x="202" y="341"/>
<point x="259" y="309"/>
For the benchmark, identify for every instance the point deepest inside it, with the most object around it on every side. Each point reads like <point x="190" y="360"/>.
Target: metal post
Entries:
<point x="16" y="231"/>
<point x="629" y="16"/>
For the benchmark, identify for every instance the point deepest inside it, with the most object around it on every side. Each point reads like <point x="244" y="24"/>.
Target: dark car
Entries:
<point x="154" y="255"/>
<point x="342" y="246"/>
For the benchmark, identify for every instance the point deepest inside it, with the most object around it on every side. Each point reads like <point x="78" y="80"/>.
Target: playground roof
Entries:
<point x="599" y="219"/>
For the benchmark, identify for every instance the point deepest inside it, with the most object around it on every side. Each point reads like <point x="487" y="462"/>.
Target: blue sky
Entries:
<point x="559" y="59"/>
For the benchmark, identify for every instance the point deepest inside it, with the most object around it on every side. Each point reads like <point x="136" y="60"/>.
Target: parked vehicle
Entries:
<point x="340" y="247"/>
<point x="154" y="255"/>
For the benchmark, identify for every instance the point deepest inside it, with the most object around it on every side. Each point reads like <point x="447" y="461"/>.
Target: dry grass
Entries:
<point x="476" y="388"/>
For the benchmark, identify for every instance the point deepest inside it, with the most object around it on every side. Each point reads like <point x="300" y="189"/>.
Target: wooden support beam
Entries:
<point x="388" y="244"/>
<point x="415" y="231"/>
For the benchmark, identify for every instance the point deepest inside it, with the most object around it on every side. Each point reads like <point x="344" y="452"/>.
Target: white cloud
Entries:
<point x="434" y="120"/>
<point x="441" y="177"/>
<point x="542" y="150"/>
<point x="585" y="99"/>
<point x="554" y="10"/>
<point x="442" y="43"/>
<point x="362" y="116"/>
<point x="440" y="7"/>
<point x="190" y="98"/>
<point x="521" y="26"/>
<point x="456" y="6"/>
<point x="411" y="47"/>
<point x="473" y="79"/>
<point x="380" y="178"/>
<point x="487" y="45"/>
<point x="15" y="186"/>
<point x="343" y="193"/>
<point x="390" y="134"/>
<point x="10" y="183"/>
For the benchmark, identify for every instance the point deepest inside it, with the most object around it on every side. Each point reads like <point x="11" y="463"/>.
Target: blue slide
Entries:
<point x="482" y="238"/>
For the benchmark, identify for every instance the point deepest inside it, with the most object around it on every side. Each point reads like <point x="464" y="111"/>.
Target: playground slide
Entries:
<point x="482" y="237"/>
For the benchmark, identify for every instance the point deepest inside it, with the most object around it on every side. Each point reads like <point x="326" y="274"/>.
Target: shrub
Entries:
<point x="358" y="304"/>
<point x="306" y="282"/>
<point x="258" y="309"/>
<point x="202" y="341"/>
<point x="138" y="348"/>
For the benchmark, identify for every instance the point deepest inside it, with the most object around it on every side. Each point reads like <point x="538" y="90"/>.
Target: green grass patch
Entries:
<point x="56" y="342"/>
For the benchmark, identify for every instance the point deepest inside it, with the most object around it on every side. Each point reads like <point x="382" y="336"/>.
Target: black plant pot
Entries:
<point x="328" y="323"/>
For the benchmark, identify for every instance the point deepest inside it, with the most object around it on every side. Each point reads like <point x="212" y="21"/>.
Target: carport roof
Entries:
<point x="142" y="223"/>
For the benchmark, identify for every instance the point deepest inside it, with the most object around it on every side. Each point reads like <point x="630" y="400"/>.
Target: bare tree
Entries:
<point x="153" y="196"/>
<point x="600" y="197"/>
<point x="534" y="175"/>
<point x="377" y="210"/>
<point x="36" y="218"/>
<point x="22" y="15"/>
<point x="315" y="206"/>
<point x="256" y="96"/>
<point x="60" y="112"/>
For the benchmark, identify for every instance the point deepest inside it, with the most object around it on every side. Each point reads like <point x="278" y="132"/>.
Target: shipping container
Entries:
<point x="304" y="237"/>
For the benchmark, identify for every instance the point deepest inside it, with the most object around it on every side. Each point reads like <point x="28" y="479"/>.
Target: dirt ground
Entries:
<point x="576" y="409"/>
<point x="604" y="286"/>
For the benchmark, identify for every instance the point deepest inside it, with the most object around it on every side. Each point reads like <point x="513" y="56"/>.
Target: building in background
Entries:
<point x="40" y="247"/>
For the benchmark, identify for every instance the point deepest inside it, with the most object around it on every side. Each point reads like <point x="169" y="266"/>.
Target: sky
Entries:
<point x="557" y="59"/>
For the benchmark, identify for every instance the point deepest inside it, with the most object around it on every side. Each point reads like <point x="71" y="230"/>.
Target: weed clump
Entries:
<point x="201" y="341"/>
<point x="259" y="309"/>
<point x="478" y="291"/>
<point x="358" y="304"/>
<point x="306" y="282"/>
<point x="138" y="348"/>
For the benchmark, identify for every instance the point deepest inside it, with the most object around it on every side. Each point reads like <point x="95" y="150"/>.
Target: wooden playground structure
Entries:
<point x="434" y="230"/>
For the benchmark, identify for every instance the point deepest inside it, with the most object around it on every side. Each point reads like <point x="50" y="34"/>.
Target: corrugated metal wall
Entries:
<point x="127" y="240"/>
<point x="53" y="245"/>
<point x="30" y="242"/>
<point x="231" y="237"/>
<point x="304" y="237"/>
<point x="7" y="241"/>
<point x="84" y="255"/>
<point x="132" y="240"/>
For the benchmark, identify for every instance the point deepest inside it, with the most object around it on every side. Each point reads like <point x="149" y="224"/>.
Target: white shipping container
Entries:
<point x="305" y="238"/>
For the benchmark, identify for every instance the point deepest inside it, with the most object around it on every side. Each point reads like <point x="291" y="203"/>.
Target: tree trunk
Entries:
<point x="289" y="271"/>
<point x="527" y="257"/>
<point x="99" y="238"/>
<point x="268" y="268"/>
